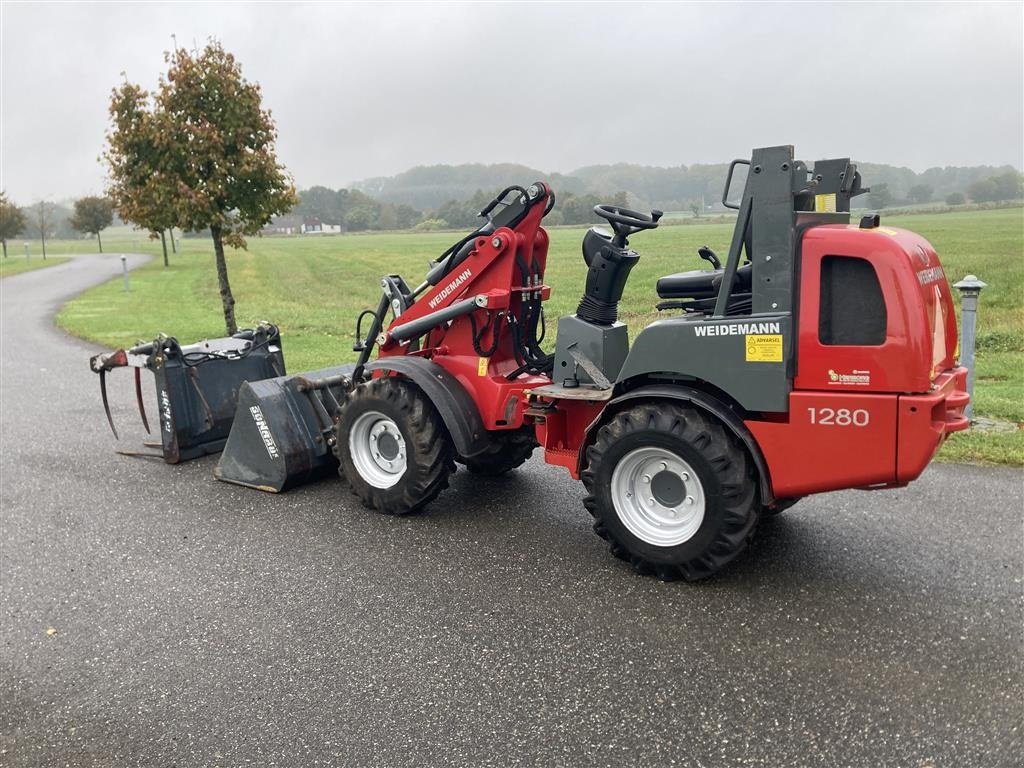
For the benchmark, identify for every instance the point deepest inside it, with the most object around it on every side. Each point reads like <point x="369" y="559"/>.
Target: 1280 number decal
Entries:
<point x="839" y="417"/>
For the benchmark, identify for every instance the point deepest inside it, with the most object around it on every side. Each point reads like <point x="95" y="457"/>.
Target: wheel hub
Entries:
<point x="377" y="449"/>
<point x="668" y="488"/>
<point x="387" y="445"/>
<point x="658" y="496"/>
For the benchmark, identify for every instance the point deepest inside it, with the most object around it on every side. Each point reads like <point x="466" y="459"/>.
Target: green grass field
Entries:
<point x="15" y="265"/>
<point x="313" y="287"/>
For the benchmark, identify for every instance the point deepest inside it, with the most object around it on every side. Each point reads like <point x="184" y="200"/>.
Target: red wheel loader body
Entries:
<point x="819" y="356"/>
<point x="869" y="414"/>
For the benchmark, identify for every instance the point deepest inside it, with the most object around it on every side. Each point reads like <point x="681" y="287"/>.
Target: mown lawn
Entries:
<point x="14" y="265"/>
<point x="313" y="288"/>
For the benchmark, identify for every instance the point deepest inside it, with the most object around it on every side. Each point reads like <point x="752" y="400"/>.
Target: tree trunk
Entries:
<point x="226" y="299"/>
<point x="42" y="225"/>
<point x="100" y="241"/>
<point x="174" y="248"/>
<point x="163" y="241"/>
<point x="5" y="249"/>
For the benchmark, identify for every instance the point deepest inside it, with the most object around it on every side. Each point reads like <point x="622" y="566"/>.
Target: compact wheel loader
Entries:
<point x="819" y="355"/>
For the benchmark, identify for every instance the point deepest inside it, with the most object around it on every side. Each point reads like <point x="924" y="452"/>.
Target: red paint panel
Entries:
<point x="921" y="327"/>
<point x="926" y="420"/>
<point x="828" y="441"/>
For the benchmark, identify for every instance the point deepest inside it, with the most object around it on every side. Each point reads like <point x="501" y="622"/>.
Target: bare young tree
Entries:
<point x="43" y="220"/>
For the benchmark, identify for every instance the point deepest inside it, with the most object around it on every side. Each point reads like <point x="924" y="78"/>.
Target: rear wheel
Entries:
<point x="672" y="491"/>
<point x="507" y="450"/>
<point x="392" y="446"/>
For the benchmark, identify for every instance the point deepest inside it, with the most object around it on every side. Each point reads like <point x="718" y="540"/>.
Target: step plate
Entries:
<point x="582" y="392"/>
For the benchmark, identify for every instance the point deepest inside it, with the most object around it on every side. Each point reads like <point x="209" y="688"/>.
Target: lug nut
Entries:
<point x="647" y="478"/>
<point x="689" y="500"/>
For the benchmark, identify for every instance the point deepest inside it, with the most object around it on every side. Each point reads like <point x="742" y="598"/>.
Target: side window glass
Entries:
<point x="852" y="309"/>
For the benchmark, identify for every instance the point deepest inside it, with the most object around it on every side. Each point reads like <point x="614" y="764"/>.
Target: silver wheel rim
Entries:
<point x="658" y="496"/>
<point x="377" y="449"/>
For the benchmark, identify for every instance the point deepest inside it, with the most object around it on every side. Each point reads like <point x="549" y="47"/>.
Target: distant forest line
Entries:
<point x="450" y="196"/>
<point x="442" y="196"/>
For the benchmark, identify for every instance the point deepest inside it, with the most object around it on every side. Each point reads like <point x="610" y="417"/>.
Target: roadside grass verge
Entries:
<point x="313" y="288"/>
<point x="13" y="265"/>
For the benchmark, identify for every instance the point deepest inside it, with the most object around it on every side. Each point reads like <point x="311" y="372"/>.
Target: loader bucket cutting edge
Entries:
<point x="281" y="434"/>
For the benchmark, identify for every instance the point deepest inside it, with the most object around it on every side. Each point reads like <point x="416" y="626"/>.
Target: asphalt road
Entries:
<point x="202" y="624"/>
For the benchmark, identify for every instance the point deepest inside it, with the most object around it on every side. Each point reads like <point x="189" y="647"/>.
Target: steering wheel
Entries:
<point x="625" y="222"/>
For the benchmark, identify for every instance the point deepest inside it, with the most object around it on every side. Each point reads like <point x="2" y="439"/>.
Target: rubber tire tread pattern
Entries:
<point x="729" y="461"/>
<point x="507" y="451"/>
<point x="429" y="448"/>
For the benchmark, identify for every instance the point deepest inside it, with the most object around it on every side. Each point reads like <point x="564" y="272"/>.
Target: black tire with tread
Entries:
<point x="781" y="505"/>
<point x="429" y="446"/>
<point x="733" y="506"/>
<point x="508" y="450"/>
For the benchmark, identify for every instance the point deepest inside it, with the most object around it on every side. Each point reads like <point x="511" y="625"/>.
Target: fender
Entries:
<point x="454" y="404"/>
<point x="705" y="402"/>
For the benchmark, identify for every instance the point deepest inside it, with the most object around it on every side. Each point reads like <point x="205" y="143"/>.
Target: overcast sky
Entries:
<point x="362" y="90"/>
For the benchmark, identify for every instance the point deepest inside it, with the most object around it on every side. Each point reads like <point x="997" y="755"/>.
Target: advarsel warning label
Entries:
<point x="764" y="348"/>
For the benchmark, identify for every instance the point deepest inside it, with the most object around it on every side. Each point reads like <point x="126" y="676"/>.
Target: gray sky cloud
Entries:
<point x="363" y="90"/>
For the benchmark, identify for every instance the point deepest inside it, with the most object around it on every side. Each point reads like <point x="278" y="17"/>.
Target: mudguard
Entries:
<point x="454" y="404"/>
<point x="704" y="401"/>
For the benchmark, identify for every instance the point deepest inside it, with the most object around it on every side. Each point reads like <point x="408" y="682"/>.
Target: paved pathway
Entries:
<point x="203" y="624"/>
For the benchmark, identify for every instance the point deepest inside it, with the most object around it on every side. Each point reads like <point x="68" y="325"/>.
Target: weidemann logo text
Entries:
<point x="740" y="329"/>
<point x="449" y="289"/>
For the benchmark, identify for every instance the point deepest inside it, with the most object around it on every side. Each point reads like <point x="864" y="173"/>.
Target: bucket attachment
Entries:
<point x="197" y="385"/>
<point x="282" y="435"/>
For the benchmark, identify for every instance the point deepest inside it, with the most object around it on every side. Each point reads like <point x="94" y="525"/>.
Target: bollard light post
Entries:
<point x="970" y="289"/>
<point x="26" y="253"/>
<point x="124" y="270"/>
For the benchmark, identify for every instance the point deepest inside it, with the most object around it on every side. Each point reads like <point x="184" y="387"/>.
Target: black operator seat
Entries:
<point x="702" y="283"/>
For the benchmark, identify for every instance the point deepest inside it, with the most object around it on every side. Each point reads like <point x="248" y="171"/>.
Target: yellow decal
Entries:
<point x="764" y="349"/>
<point x="481" y="366"/>
<point x="825" y="203"/>
<point x="884" y="231"/>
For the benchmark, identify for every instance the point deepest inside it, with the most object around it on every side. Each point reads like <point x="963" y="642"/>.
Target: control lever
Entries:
<point x="708" y="255"/>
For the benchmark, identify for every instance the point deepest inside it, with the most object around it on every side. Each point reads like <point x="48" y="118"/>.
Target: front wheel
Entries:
<point x="671" y="490"/>
<point x="393" y="447"/>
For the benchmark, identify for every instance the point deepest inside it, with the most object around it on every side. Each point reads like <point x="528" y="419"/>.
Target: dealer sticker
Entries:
<point x="764" y="348"/>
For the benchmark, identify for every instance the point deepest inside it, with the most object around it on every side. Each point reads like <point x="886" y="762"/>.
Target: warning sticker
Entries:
<point x="764" y="349"/>
<point x="825" y="203"/>
<point x="481" y="366"/>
